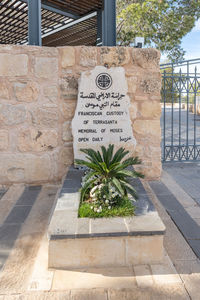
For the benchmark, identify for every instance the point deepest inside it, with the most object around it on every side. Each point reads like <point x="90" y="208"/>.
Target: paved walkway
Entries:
<point x="24" y="217"/>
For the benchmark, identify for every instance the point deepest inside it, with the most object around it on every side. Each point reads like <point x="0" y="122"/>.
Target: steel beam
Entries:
<point x="99" y="28"/>
<point x="56" y="10"/>
<point x="108" y="19"/>
<point x="34" y="22"/>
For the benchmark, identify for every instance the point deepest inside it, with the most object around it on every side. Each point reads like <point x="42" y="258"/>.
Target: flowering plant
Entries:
<point x="105" y="183"/>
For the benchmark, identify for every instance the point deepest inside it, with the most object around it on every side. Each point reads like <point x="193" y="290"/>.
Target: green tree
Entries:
<point x="162" y="23"/>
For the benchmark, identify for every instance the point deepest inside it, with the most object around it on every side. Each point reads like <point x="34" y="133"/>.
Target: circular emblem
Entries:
<point x="104" y="81"/>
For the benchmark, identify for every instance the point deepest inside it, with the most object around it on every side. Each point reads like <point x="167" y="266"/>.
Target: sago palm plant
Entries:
<point x="107" y="178"/>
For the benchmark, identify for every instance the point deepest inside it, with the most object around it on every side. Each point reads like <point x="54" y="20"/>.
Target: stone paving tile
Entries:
<point x="175" y="243"/>
<point x="99" y="294"/>
<point x="122" y="277"/>
<point x="41" y="278"/>
<point x="165" y="274"/>
<point x="143" y="205"/>
<point x="22" y="256"/>
<point x="70" y="183"/>
<point x="187" y="176"/>
<point x="170" y="203"/>
<point x="197" y="221"/>
<point x="195" y="245"/>
<point x="184" y="199"/>
<point x="185" y="223"/>
<point x="8" y="235"/>
<point x="29" y="195"/>
<point x="159" y="188"/>
<point x="105" y="225"/>
<point x="2" y="192"/>
<point x="170" y="292"/>
<point x="18" y="214"/>
<point x="138" y="186"/>
<point x="9" y="199"/>
<point x="194" y="211"/>
<point x="143" y="276"/>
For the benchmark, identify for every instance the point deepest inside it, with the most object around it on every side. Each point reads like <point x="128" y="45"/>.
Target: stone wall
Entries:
<point x="38" y="94"/>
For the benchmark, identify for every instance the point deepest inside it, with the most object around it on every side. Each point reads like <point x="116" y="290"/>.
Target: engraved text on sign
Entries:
<point x="102" y="112"/>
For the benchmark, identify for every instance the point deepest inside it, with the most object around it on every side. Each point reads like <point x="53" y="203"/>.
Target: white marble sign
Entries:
<point x="102" y="112"/>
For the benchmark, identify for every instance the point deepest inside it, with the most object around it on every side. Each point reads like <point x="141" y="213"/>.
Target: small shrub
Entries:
<point x="105" y="186"/>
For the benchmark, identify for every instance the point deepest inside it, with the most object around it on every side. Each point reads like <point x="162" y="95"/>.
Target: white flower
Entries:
<point x="107" y="201"/>
<point x="95" y="209"/>
<point x="98" y="210"/>
<point x="109" y="207"/>
<point x="93" y="190"/>
<point x="91" y="207"/>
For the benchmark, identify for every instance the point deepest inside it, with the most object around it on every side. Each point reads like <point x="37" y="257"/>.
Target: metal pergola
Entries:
<point x="58" y="22"/>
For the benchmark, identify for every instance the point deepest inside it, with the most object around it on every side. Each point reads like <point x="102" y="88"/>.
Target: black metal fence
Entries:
<point x="181" y="111"/>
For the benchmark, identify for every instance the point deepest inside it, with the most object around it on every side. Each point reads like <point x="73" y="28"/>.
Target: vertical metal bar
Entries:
<point x="180" y="93"/>
<point x="164" y="112"/>
<point x="109" y="23"/>
<point x="172" y="115"/>
<point x="34" y="22"/>
<point x="187" y="123"/>
<point x="195" y="109"/>
<point x="99" y="28"/>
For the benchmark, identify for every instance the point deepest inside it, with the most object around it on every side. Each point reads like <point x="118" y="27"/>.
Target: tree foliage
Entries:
<point x="162" y="23"/>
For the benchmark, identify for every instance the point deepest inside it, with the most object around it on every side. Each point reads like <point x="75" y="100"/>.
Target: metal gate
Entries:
<point x="180" y="120"/>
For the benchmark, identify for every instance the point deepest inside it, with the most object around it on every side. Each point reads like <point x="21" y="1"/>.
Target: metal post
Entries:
<point x="99" y="28"/>
<point x="108" y="23"/>
<point x="34" y="22"/>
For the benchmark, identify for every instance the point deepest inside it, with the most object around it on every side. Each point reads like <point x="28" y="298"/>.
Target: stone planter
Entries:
<point x="83" y="242"/>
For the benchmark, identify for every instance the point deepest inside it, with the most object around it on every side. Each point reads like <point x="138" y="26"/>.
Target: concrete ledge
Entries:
<point x="83" y="242"/>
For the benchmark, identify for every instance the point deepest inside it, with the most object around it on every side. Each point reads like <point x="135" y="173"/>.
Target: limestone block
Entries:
<point x="88" y="56"/>
<point x="67" y="132"/>
<point x="51" y="92"/>
<point x="114" y="57"/>
<point x="147" y="127"/>
<point x="26" y="92"/>
<point x="45" y="116"/>
<point x="132" y="84"/>
<point x="152" y="172"/>
<point x="37" y="140"/>
<point x="13" y="64"/>
<point x="69" y="87"/>
<point x="150" y="84"/>
<point x="146" y="58"/>
<point x="133" y="110"/>
<point x="67" y="57"/>
<point x="68" y="109"/>
<point x="141" y="98"/>
<point x="87" y="252"/>
<point x="146" y="249"/>
<point x="3" y="140"/>
<point x="46" y="67"/>
<point x="12" y="114"/>
<point x="66" y="156"/>
<point x="4" y="92"/>
<point x="24" y="168"/>
<point x="150" y="109"/>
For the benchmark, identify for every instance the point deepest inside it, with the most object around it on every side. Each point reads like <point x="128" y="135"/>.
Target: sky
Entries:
<point x="190" y="43"/>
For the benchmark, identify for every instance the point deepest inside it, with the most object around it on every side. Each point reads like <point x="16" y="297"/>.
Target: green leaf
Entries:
<point x="118" y="186"/>
<point x="87" y="186"/>
<point x="130" y="189"/>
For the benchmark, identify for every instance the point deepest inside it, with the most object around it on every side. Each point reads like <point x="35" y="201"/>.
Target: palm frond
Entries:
<point x="118" y="186"/>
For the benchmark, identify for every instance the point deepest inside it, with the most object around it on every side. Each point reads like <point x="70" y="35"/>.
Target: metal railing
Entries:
<point x="181" y="111"/>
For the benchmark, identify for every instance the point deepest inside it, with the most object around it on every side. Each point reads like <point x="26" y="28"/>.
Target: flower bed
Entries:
<point x="85" y="242"/>
<point x="106" y="191"/>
